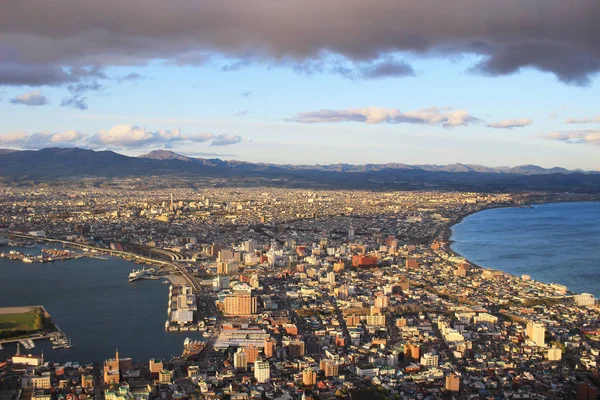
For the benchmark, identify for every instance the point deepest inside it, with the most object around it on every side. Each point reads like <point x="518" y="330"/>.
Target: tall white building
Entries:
<point x="536" y="332"/>
<point x="262" y="371"/>
<point x="240" y="360"/>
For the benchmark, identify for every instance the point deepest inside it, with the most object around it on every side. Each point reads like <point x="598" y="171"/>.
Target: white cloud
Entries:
<point x="511" y="123"/>
<point x="30" y="99"/>
<point x="592" y="120"/>
<point x="135" y="136"/>
<point x="575" y="137"/>
<point x="38" y="140"/>
<point x="117" y="137"/>
<point x="447" y="117"/>
<point x="226" y="140"/>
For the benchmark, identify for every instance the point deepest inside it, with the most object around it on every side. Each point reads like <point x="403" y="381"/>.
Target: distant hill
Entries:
<point x="67" y="163"/>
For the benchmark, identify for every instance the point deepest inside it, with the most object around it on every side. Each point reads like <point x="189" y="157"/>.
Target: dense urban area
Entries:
<point x="308" y="294"/>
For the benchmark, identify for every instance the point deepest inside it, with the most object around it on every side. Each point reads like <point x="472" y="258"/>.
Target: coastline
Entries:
<point x="446" y="235"/>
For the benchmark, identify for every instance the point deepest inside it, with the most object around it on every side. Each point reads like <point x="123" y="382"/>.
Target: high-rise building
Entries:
<point x="330" y="367"/>
<point x="240" y="360"/>
<point x="251" y="353"/>
<point x="586" y="391"/>
<point x="249" y="246"/>
<point x="262" y="371"/>
<point x="296" y="348"/>
<point x="536" y="332"/>
<point x="309" y="377"/>
<point x="270" y="348"/>
<point x="381" y="301"/>
<point x="412" y="352"/>
<point x="241" y="302"/>
<point x="331" y="277"/>
<point x="453" y="383"/>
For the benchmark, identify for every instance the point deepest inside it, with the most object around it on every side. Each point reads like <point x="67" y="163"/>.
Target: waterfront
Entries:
<point x="93" y="303"/>
<point x="551" y="243"/>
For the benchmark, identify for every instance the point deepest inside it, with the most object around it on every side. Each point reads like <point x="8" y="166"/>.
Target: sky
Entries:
<point x="491" y="82"/>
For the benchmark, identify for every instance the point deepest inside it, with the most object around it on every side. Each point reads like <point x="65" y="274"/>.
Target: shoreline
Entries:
<point x="447" y="232"/>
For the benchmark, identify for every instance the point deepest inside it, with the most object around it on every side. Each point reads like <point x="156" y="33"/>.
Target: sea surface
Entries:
<point x="94" y="304"/>
<point x="552" y="243"/>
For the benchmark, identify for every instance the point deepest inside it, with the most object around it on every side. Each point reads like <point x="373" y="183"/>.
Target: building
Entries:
<point x="121" y="393"/>
<point x="485" y="318"/>
<point x="453" y="383"/>
<point x="296" y="348"/>
<point x="329" y="367"/>
<point x="364" y="261"/>
<point x="381" y="301"/>
<point x="112" y="374"/>
<point x="412" y="263"/>
<point x="536" y="332"/>
<point x="241" y="302"/>
<point x="369" y="371"/>
<point x="586" y="391"/>
<point x="309" y="377"/>
<point x="584" y="299"/>
<point x="554" y="354"/>
<point x="42" y="382"/>
<point x="430" y="360"/>
<point x="165" y="377"/>
<point x="87" y="381"/>
<point x="269" y="348"/>
<point x="28" y="359"/>
<point x="155" y="366"/>
<point x="240" y="360"/>
<point x="262" y="371"/>
<point x="412" y="352"/>
<point x="251" y="353"/>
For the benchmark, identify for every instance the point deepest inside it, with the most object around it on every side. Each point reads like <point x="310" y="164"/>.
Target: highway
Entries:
<point x="189" y="278"/>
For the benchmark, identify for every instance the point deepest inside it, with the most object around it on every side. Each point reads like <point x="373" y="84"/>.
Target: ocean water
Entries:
<point x="94" y="304"/>
<point x="552" y="243"/>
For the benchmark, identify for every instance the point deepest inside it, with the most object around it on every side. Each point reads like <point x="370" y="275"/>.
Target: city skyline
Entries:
<point x="281" y="84"/>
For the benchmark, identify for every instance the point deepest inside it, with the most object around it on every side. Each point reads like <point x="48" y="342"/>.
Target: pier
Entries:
<point x="124" y="254"/>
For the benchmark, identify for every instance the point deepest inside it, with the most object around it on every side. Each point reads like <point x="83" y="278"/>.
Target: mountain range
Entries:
<point x="68" y="163"/>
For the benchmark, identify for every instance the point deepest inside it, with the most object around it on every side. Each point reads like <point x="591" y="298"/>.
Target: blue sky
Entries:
<point x="259" y="111"/>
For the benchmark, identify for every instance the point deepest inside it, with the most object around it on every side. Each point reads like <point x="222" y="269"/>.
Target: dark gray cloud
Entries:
<point x="131" y="77"/>
<point x="388" y="69"/>
<point x="38" y="39"/>
<point x="75" y="101"/>
<point x="30" y="99"/>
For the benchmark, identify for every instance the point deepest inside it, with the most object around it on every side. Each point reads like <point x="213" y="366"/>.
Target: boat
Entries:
<point x="140" y="274"/>
<point x="192" y="347"/>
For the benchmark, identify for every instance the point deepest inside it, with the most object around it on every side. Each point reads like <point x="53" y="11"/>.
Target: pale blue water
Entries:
<point x="92" y="301"/>
<point x="551" y="243"/>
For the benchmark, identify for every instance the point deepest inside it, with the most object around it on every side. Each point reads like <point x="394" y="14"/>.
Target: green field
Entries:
<point x="18" y="324"/>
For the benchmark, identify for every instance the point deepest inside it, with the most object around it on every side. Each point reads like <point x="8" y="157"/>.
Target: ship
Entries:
<point x="140" y="274"/>
<point x="192" y="347"/>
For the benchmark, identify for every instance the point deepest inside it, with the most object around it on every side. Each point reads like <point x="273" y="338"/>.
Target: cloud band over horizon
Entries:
<point x="117" y="137"/>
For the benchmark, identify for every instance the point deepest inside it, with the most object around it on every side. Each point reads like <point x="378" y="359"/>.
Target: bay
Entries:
<point x="92" y="301"/>
<point x="551" y="242"/>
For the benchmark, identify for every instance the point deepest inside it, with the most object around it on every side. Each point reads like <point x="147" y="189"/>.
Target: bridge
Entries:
<point x="174" y="257"/>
